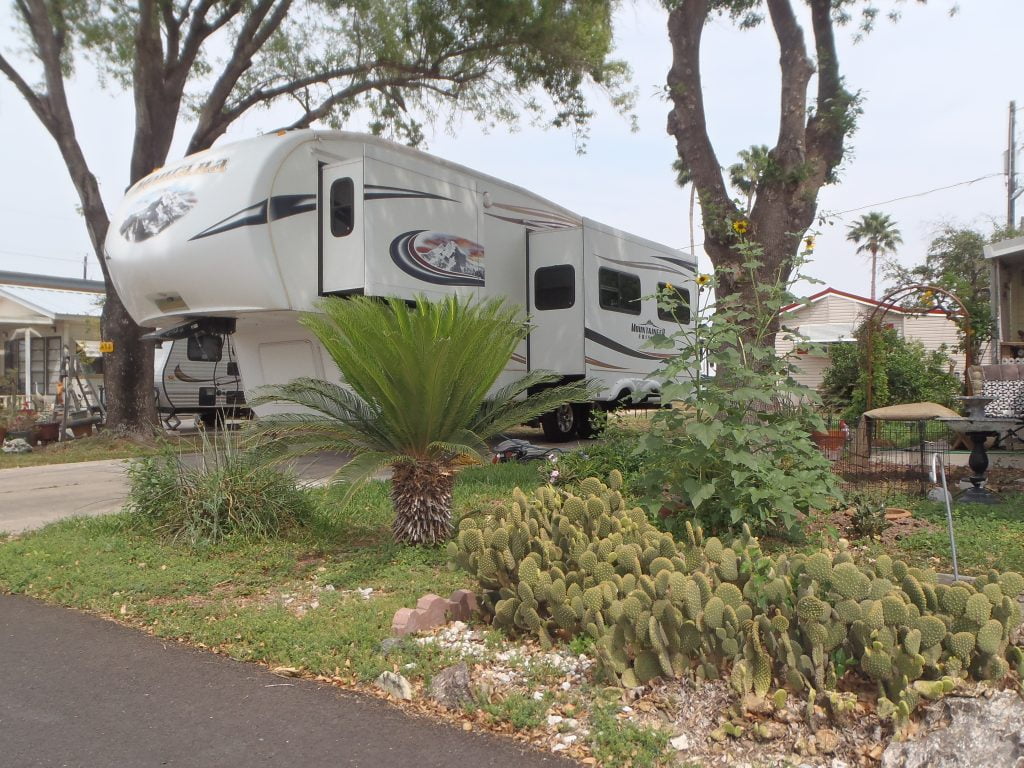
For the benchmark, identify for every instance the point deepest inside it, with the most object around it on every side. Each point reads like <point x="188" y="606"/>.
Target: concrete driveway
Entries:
<point x="31" y="497"/>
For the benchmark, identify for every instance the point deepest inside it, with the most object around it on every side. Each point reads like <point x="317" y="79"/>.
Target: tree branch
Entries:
<point x="35" y="101"/>
<point x="687" y="120"/>
<point x="251" y="38"/>
<point x="828" y="126"/>
<point x="796" y="71"/>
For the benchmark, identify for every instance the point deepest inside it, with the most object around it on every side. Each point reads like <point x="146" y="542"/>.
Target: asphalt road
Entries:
<point x="82" y="692"/>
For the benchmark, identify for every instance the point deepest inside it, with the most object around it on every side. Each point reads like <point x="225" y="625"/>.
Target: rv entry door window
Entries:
<point x="618" y="291"/>
<point x="342" y="207"/>
<point x="554" y="287"/>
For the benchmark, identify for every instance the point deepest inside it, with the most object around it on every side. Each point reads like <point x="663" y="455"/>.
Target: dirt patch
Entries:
<point x="840" y="523"/>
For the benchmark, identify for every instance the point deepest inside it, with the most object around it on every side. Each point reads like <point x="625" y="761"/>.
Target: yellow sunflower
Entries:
<point x="809" y="243"/>
<point x="740" y="226"/>
<point x="703" y="280"/>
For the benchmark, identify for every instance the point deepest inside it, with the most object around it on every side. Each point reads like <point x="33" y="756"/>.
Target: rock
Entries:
<point x="680" y="742"/>
<point x="977" y="732"/>
<point x="461" y="605"/>
<point x="554" y="720"/>
<point x="450" y="687"/>
<point x="394" y="684"/>
<point x="433" y="610"/>
<point x="388" y="644"/>
<point x="826" y="740"/>
<point x="406" y="622"/>
<point x="16" y="445"/>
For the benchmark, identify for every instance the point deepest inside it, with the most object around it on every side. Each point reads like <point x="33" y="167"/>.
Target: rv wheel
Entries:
<point x="560" y="424"/>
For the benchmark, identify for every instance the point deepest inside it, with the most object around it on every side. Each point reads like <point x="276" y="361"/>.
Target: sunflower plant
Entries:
<point x="420" y="398"/>
<point x="736" y="446"/>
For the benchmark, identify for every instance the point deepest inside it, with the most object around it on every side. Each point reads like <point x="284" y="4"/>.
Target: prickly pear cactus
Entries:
<point x="557" y="565"/>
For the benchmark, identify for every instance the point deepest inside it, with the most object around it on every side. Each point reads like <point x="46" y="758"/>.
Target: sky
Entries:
<point x="936" y="91"/>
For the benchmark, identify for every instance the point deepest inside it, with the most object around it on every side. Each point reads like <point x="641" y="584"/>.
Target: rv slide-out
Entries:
<point x="244" y="236"/>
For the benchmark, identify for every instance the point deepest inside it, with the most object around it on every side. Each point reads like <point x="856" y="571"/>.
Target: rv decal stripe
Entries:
<point x="518" y="358"/>
<point x="247" y="217"/>
<point x="388" y="193"/>
<point x="533" y="223"/>
<point x="540" y="214"/>
<point x="692" y="266"/>
<point x="643" y="265"/>
<point x="601" y="364"/>
<point x="283" y="206"/>
<point x="271" y="209"/>
<point x="615" y="346"/>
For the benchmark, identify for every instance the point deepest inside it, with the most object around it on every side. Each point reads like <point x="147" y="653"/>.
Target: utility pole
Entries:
<point x="85" y="267"/>
<point x="1012" y="192"/>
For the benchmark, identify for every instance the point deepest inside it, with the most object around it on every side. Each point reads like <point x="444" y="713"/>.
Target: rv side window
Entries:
<point x="554" y="287"/>
<point x="618" y="291"/>
<point x="342" y="207"/>
<point x="680" y="298"/>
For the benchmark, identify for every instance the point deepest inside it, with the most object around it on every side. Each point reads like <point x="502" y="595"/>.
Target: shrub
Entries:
<point x="558" y="565"/>
<point x="903" y="372"/>
<point x="227" y="492"/>
<point x="617" y="449"/>
<point x="737" y="448"/>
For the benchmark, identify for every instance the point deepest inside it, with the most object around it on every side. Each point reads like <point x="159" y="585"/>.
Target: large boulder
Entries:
<point x="961" y="732"/>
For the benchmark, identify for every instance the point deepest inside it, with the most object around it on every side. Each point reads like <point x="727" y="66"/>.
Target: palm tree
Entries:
<point x="746" y="174"/>
<point x="416" y="399"/>
<point x="879" y="234"/>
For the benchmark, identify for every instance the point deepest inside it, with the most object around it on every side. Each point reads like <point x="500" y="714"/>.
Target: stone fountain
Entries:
<point x="978" y="428"/>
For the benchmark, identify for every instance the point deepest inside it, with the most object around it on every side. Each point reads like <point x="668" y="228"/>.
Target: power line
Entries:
<point x="839" y="214"/>
<point x="76" y="260"/>
<point x="918" y="194"/>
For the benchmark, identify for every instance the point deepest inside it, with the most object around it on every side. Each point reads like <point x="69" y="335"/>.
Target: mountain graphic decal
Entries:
<point x="439" y="258"/>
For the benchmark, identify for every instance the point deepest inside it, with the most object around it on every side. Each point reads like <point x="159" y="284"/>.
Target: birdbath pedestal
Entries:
<point x="978" y="428"/>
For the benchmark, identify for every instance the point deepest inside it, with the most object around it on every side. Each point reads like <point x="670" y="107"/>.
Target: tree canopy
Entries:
<point x="874" y="233"/>
<point x="386" y="65"/>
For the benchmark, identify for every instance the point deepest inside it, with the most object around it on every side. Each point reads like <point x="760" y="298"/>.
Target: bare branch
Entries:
<point x="796" y="70"/>
<point x="831" y="121"/>
<point x="251" y="38"/>
<point x="687" y="120"/>
<point x="35" y="100"/>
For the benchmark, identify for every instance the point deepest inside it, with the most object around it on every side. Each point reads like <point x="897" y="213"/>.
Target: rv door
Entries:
<point x="340" y="241"/>
<point x="556" y="301"/>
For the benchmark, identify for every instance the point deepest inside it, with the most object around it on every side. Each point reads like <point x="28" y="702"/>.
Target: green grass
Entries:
<point x="987" y="536"/>
<point x="95" y="448"/>
<point x="623" y="743"/>
<point x="230" y="597"/>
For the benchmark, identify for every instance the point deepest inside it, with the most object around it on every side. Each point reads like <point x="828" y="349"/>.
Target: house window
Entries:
<point x="554" y="287"/>
<point x="342" y="207"/>
<point x="45" y="363"/>
<point x="618" y="291"/>
<point x="679" y="313"/>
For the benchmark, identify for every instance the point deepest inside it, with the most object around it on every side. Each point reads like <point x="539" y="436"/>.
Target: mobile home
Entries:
<point x="240" y="238"/>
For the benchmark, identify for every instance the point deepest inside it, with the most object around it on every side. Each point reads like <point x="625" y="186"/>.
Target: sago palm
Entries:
<point x="416" y="397"/>
<point x="879" y="235"/>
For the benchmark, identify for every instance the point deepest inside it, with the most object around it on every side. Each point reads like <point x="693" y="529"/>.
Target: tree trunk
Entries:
<point x="421" y="493"/>
<point x="127" y="371"/>
<point x="874" y="269"/>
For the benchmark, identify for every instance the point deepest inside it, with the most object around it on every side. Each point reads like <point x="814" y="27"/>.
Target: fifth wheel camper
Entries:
<point x="241" y="238"/>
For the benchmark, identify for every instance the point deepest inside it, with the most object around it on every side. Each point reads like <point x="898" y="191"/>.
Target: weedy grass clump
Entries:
<point x="221" y="492"/>
<point x="559" y="565"/>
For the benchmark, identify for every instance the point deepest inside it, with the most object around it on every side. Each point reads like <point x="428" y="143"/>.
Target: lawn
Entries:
<point x="94" y="448"/>
<point x="293" y="601"/>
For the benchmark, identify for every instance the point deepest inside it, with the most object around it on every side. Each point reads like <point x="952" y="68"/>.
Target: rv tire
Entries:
<point x="560" y="424"/>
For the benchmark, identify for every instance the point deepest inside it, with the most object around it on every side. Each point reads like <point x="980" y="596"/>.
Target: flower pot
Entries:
<point x="833" y="440"/>
<point x="81" y="430"/>
<point x="47" y="433"/>
<point x="3" y="434"/>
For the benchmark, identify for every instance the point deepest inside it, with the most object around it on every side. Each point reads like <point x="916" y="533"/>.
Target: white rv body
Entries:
<point x="258" y="230"/>
<point x="206" y="389"/>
